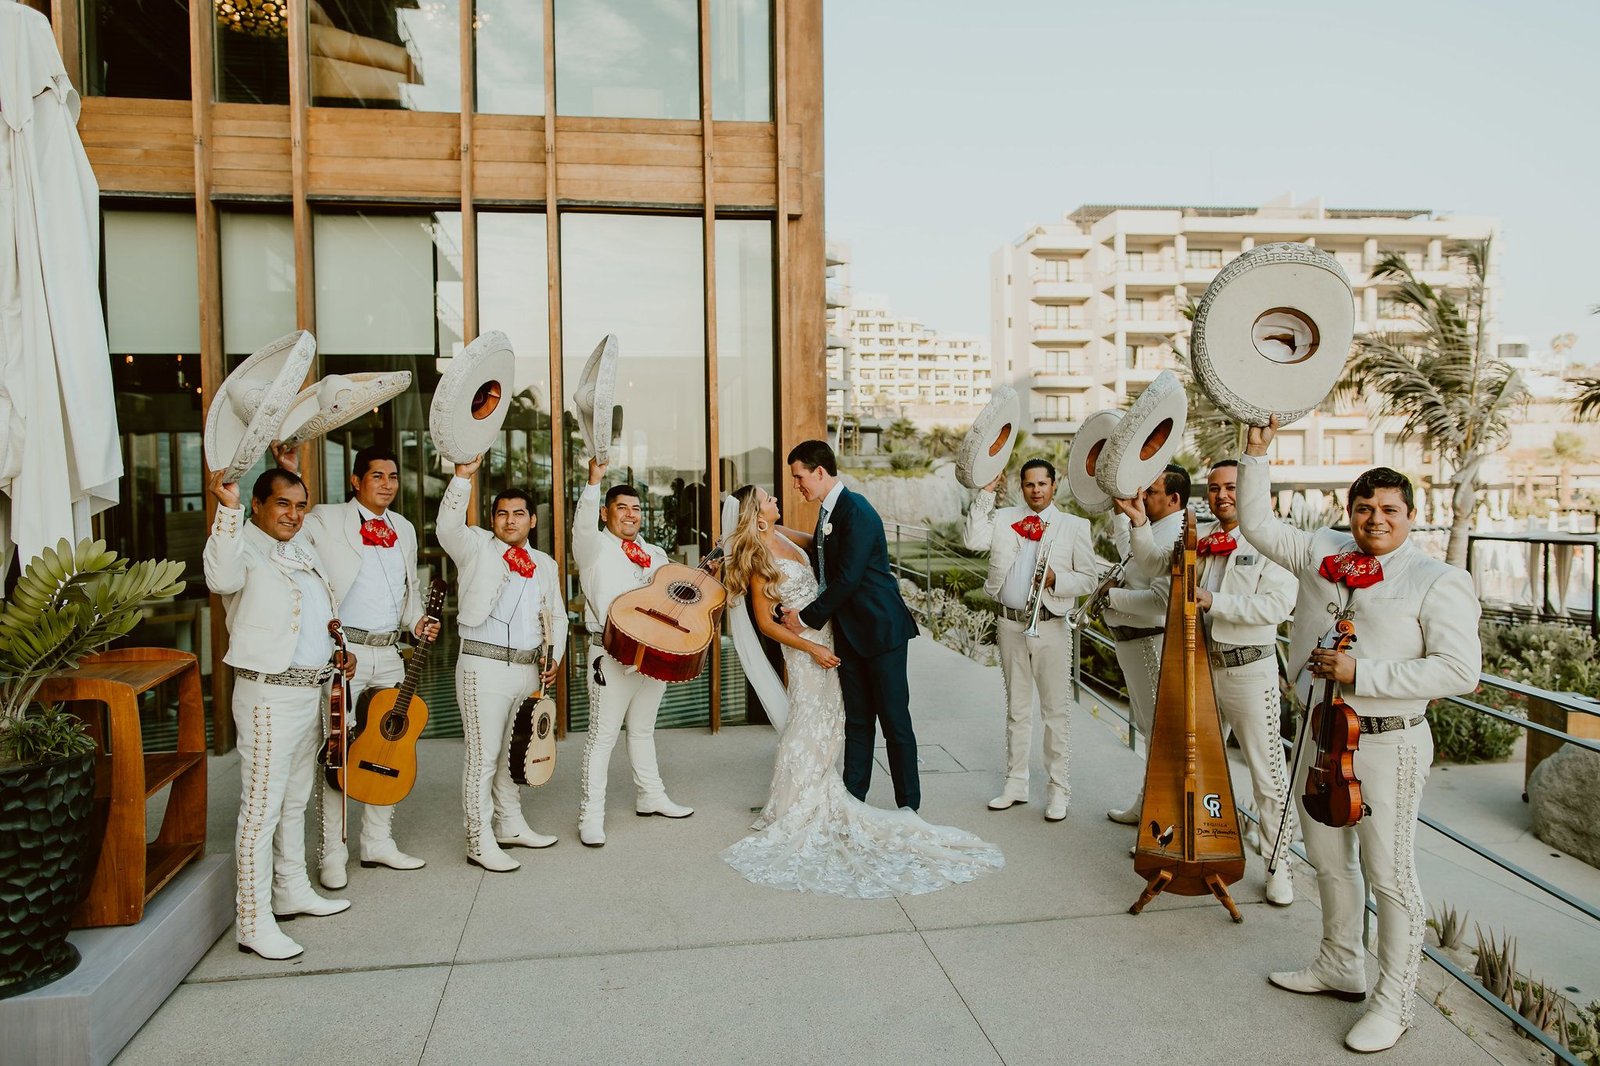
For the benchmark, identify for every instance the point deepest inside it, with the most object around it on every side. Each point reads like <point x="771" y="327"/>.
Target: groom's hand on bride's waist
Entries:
<point x="791" y="620"/>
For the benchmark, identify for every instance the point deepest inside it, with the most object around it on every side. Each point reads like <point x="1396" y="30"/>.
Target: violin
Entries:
<point x="338" y="742"/>
<point x="1333" y="794"/>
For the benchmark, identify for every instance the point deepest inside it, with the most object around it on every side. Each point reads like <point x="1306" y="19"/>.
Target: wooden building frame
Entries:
<point x="215" y="154"/>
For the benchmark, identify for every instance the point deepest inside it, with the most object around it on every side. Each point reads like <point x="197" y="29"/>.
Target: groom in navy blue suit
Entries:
<point x="871" y="624"/>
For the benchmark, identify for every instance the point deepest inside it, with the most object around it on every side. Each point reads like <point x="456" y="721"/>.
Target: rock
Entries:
<point x="925" y="500"/>
<point x="1564" y="797"/>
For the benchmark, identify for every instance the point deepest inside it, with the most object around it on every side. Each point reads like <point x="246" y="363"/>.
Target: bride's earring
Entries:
<point x="762" y="526"/>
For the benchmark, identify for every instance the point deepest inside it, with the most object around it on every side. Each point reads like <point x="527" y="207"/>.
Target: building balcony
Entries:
<point x="1054" y="336"/>
<point x="1044" y="240"/>
<point x="835" y="340"/>
<point x="1048" y="290"/>
<point x="835" y="253"/>
<point x="1057" y="379"/>
<point x="1053" y="426"/>
<point x="836" y="295"/>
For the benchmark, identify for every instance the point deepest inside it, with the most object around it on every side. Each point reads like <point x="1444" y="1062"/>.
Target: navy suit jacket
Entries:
<point x="862" y="597"/>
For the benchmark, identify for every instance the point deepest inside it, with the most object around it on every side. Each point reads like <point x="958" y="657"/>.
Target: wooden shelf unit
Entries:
<point x="131" y="869"/>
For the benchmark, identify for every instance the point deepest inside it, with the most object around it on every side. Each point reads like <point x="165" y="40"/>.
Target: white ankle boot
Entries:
<point x="1374" y="1032"/>
<point x="661" y="805"/>
<point x="491" y="858"/>
<point x="1280" y="887"/>
<point x="271" y="944"/>
<point x="387" y="853"/>
<point x="289" y="901"/>
<point x="592" y="831"/>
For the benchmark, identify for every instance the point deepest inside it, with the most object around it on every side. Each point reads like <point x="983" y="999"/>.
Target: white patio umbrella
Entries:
<point x="59" y="455"/>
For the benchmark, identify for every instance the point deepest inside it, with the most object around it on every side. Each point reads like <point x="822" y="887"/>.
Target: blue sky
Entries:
<point x="952" y="126"/>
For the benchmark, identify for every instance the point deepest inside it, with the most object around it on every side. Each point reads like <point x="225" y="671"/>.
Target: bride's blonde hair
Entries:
<point x="745" y="551"/>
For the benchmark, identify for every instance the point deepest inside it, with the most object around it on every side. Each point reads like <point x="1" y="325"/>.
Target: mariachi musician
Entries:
<point x="1145" y="529"/>
<point x="1040" y="591"/>
<point x="275" y="591"/>
<point x="613" y="559"/>
<point x="370" y="551"/>
<point x="506" y="588"/>
<point x="1416" y="626"/>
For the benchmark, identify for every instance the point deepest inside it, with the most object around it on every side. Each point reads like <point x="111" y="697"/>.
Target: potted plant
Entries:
<point x="69" y="603"/>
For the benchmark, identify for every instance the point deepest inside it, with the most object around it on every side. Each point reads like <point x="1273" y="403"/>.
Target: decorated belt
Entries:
<point x="304" y="676"/>
<point x="1134" y="633"/>
<point x="1011" y="614"/>
<point x="1225" y="656"/>
<point x="1392" y="722"/>
<point x="371" y="639"/>
<point x="515" y="656"/>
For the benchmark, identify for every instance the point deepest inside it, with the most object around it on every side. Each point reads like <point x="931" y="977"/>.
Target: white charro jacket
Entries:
<point x="262" y="601"/>
<point x="1070" y="546"/>
<point x="1416" y="630"/>
<point x="603" y="570"/>
<point x="480" y="563"/>
<point x="1255" y="597"/>
<point x="334" y="529"/>
<point x="1148" y="550"/>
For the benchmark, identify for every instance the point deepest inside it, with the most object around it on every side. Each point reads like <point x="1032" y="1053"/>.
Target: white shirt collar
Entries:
<point x="832" y="498"/>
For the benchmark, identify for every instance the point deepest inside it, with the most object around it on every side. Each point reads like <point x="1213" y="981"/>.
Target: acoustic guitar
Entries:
<point x="533" y="733"/>
<point x="665" y="629"/>
<point x="381" y="766"/>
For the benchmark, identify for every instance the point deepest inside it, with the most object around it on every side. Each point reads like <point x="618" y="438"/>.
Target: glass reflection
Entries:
<point x="136" y="48"/>
<point x="641" y="277"/>
<point x="510" y="56"/>
<point x="257" y="279"/>
<point x="746" y="396"/>
<point x="741" y="60"/>
<point x="403" y="54"/>
<point x="252" y="51"/>
<point x="624" y="59"/>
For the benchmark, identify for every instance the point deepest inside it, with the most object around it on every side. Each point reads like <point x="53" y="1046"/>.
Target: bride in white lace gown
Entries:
<point x="813" y="836"/>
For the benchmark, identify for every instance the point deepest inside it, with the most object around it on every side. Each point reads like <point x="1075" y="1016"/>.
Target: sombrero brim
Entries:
<point x="987" y="447"/>
<point x="248" y="411"/>
<point x="594" y="400"/>
<point x="1149" y="435"/>
<point x="339" y="399"/>
<point x="473" y="398"/>
<point x="1083" y="459"/>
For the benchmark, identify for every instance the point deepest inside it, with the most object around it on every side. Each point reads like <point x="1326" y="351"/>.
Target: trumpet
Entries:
<point x="1089" y="610"/>
<point x="1036" y="590"/>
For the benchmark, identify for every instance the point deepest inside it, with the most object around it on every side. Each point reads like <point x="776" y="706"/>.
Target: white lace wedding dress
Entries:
<point x="813" y="836"/>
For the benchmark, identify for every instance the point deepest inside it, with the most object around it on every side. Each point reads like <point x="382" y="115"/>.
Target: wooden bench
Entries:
<point x="129" y="871"/>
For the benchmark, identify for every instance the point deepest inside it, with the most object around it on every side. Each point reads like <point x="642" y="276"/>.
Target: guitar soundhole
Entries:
<point x="683" y="592"/>
<point x="543" y="728"/>
<point x="393" y="726"/>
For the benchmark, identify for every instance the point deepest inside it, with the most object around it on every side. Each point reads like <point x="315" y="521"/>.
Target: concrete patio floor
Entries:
<point x="651" y="950"/>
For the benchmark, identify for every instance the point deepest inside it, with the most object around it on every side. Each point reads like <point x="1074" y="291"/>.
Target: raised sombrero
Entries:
<point x="1149" y="435"/>
<point x="1272" y="333"/>
<point x="248" y="410"/>
<point x="594" y="399"/>
<point x="338" y="399"/>
<point x="987" y="447"/>
<point x="472" y="399"/>
<point x="1083" y="459"/>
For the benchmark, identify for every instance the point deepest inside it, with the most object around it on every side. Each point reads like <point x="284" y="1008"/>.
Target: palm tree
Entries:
<point x="1442" y="382"/>
<point x="1215" y="434"/>
<point x="942" y="442"/>
<point x="900" y="434"/>
<point x="1587" y="402"/>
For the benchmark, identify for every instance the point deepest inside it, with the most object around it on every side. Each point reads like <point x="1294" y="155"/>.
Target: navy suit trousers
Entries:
<point x="876" y="693"/>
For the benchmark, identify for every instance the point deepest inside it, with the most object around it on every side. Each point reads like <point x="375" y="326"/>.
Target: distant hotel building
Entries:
<point x="884" y="366"/>
<point x="1084" y="313"/>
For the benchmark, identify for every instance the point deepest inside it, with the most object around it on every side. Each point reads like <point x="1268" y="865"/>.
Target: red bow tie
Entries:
<point x="637" y="555"/>
<point x="1358" y="570"/>
<point x="1030" y="528"/>
<point x="378" y="533"/>
<point x="519" y="561"/>
<point x="1218" y="543"/>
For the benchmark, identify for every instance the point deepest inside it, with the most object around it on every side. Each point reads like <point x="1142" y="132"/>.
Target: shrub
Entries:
<point x="908" y="461"/>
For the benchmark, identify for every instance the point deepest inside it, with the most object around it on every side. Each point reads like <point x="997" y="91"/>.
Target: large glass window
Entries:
<point x="746" y="396"/>
<point x="257" y="280"/>
<point x="510" y="50"/>
<point x="625" y="59"/>
<point x="252" y="51"/>
<point x="386" y="55"/>
<point x="741" y="60"/>
<point x="641" y="278"/>
<point x="137" y="48"/>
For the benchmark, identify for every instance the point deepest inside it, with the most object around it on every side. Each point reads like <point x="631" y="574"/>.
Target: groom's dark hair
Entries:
<point x="814" y="453"/>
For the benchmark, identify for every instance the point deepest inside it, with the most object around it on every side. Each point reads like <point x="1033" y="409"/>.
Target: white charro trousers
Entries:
<point x="618" y="694"/>
<point x="376" y="668"/>
<point x="279" y="730"/>
<point x="1140" y="661"/>
<point x="489" y="693"/>
<point x="1026" y="664"/>
<point x="1392" y="768"/>
<point x="1249" y="700"/>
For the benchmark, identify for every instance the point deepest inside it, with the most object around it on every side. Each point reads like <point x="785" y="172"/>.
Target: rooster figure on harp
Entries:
<point x="1040" y="560"/>
<point x="1417" y="620"/>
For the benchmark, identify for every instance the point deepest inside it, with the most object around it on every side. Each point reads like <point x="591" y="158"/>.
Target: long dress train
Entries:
<point x="813" y="836"/>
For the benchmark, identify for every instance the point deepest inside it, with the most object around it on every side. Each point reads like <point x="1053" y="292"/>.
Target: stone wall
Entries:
<point x="933" y="497"/>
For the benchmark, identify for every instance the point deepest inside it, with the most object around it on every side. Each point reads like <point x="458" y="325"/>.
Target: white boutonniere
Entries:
<point x="827" y="529"/>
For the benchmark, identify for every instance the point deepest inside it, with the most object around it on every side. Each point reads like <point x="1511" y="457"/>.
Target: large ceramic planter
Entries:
<point x="45" y="827"/>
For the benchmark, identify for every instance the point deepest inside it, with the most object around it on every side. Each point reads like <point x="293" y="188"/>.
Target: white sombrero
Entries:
<point x="987" y="447"/>
<point x="594" y="399"/>
<point x="472" y="399"/>
<point x="337" y="399"/>
<point x="1083" y="459"/>
<point x="1149" y="435"/>
<point x="248" y="410"/>
<point x="1272" y="333"/>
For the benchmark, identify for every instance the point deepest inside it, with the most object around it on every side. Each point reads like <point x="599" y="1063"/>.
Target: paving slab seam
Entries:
<point x="900" y="902"/>
<point x="444" y="989"/>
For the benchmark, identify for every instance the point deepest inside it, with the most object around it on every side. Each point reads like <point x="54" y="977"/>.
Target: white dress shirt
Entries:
<point x="314" y="646"/>
<point x="1019" y="579"/>
<point x="374" y="600"/>
<point x="514" y="621"/>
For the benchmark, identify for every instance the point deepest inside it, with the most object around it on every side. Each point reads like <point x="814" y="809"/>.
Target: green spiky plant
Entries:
<point x="69" y="603"/>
